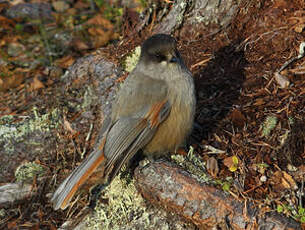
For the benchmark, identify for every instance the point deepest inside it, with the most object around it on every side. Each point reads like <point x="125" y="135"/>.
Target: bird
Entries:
<point x="153" y="112"/>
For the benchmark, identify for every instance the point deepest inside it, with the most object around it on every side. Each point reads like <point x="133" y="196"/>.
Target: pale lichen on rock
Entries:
<point x="132" y="59"/>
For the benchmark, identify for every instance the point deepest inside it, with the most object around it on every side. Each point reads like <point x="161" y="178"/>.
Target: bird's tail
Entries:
<point x="64" y="193"/>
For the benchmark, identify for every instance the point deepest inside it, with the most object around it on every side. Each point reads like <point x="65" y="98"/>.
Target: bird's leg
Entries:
<point x="95" y="194"/>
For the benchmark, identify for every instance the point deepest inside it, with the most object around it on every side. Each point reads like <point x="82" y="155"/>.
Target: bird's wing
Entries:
<point x="139" y="109"/>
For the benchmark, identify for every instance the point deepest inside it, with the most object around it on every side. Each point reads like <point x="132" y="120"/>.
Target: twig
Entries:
<point x="301" y="54"/>
<point x="212" y="149"/>
<point x="245" y="43"/>
<point x="87" y="139"/>
<point x="201" y="63"/>
<point x="301" y="193"/>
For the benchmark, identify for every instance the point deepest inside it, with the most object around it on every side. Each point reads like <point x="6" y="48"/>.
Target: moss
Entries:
<point x="132" y="59"/>
<point x="27" y="171"/>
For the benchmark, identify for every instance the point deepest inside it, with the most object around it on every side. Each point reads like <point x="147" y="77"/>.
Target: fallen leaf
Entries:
<point x="288" y="182"/>
<point x="299" y="28"/>
<point x="99" y="41"/>
<point x="81" y="4"/>
<point x="9" y="82"/>
<point x="80" y="45"/>
<point x="36" y="84"/>
<point x="98" y="20"/>
<point x="68" y="126"/>
<point x="6" y="23"/>
<point x="212" y="166"/>
<point x="259" y="101"/>
<point x="181" y="151"/>
<point x="96" y="31"/>
<point x="238" y="118"/>
<point x="101" y="31"/>
<point x="281" y="80"/>
<point x="231" y="163"/>
<point x="12" y="225"/>
<point x="282" y="180"/>
<point x="65" y="62"/>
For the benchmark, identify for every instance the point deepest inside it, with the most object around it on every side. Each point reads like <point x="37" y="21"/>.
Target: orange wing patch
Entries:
<point x="153" y="114"/>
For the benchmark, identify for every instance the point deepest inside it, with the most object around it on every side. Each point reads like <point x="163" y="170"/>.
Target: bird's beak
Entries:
<point x="174" y="59"/>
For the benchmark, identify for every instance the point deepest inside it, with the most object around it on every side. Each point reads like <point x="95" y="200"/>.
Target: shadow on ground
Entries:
<point x="218" y="87"/>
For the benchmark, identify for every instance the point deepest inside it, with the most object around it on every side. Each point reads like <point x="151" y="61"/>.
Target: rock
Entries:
<point x="62" y="40"/>
<point x="26" y="11"/>
<point x="14" y="191"/>
<point x="172" y="187"/>
<point x="136" y="215"/>
<point x="25" y="138"/>
<point x="15" y="49"/>
<point x="174" y="18"/>
<point x="99" y="78"/>
<point x="209" y="15"/>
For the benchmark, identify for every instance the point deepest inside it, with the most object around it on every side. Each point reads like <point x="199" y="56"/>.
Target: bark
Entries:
<point x="168" y="185"/>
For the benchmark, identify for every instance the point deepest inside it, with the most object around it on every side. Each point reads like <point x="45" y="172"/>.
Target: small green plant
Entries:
<point x="290" y="120"/>
<point x="262" y="165"/>
<point x="298" y="214"/>
<point x="226" y="186"/>
<point x="301" y="214"/>
<point x="268" y="125"/>
<point x="99" y="3"/>
<point x="19" y="27"/>
<point x="110" y="12"/>
<point x="279" y="208"/>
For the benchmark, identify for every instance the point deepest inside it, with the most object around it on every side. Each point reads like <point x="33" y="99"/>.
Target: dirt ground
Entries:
<point x="246" y="107"/>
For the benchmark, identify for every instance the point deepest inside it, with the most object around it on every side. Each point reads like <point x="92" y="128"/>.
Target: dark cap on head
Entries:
<point x="157" y="46"/>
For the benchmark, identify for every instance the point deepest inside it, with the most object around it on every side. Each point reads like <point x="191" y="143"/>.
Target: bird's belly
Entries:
<point x="172" y="132"/>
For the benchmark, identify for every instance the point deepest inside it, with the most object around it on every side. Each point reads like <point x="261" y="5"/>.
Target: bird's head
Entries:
<point x="160" y="49"/>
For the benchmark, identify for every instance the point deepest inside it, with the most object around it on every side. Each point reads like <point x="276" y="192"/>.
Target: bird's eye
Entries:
<point x="160" y="57"/>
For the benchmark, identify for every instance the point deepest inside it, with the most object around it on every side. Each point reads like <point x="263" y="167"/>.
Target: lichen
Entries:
<point x="2" y="214"/>
<point x="27" y="171"/>
<point x="125" y="204"/>
<point x="193" y="164"/>
<point x="268" y="125"/>
<point x="88" y="98"/>
<point x="132" y="60"/>
<point x="12" y="132"/>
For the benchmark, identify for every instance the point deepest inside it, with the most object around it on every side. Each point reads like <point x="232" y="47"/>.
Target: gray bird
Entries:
<point x="154" y="111"/>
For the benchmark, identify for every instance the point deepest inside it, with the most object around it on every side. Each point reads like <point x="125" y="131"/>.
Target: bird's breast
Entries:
<point x="174" y="130"/>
